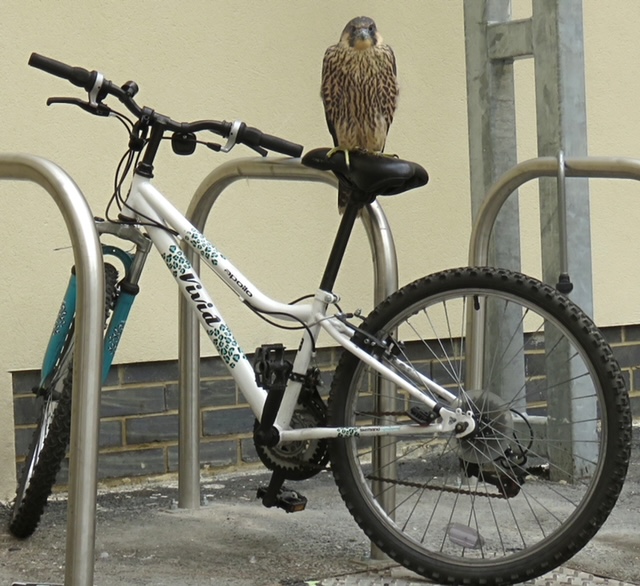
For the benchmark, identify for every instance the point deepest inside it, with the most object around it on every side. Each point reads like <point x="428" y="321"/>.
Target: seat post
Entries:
<point x="339" y="246"/>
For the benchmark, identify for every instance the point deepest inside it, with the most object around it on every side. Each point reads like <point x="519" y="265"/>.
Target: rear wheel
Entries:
<point x="547" y="461"/>
<point x="51" y="437"/>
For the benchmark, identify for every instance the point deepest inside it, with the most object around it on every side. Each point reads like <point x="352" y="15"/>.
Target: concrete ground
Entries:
<point x="144" y="540"/>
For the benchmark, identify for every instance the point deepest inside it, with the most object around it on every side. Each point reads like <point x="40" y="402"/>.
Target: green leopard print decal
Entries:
<point x="348" y="432"/>
<point x="176" y="261"/>
<point x="203" y="246"/>
<point x="111" y="343"/>
<point x="61" y="319"/>
<point x="226" y="345"/>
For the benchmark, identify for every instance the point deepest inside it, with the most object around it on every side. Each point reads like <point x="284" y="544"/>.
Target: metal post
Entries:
<point x="493" y="150"/>
<point x="492" y="119"/>
<point x="87" y="365"/>
<point x="385" y="274"/>
<point x="562" y="127"/>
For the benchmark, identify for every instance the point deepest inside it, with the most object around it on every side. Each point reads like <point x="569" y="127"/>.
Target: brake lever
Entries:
<point x="262" y="152"/>
<point x="233" y="137"/>
<point x="95" y="109"/>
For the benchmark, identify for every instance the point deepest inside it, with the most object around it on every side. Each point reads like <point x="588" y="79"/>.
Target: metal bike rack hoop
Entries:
<point x="590" y="167"/>
<point x="385" y="277"/>
<point x="87" y="365"/>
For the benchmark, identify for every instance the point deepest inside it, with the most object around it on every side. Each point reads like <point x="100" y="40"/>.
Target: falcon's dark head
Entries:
<point x="360" y="33"/>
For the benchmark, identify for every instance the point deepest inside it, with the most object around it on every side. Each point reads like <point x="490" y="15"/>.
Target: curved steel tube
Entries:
<point x="592" y="167"/>
<point x="87" y="366"/>
<point x="385" y="274"/>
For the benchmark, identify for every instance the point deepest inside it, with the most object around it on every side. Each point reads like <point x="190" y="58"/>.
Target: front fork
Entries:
<point x="60" y="333"/>
<point x="62" y="330"/>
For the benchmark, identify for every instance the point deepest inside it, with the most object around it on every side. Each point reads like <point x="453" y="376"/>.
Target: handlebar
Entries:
<point x="254" y="138"/>
<point x="99" y="88"/>
<point x="76" y="75"/>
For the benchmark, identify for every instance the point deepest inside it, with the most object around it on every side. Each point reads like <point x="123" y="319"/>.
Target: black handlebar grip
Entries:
<point x="76" y="75"/>
<point x="256" y="138"/>
<point x="280" y="145"/>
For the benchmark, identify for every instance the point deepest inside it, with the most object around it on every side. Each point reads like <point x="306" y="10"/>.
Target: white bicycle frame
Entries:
<point x="148" y="205"/>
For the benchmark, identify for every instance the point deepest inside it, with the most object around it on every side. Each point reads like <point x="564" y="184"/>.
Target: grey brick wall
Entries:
<point x="139" y="418"/>
<point x="139" y="412"/>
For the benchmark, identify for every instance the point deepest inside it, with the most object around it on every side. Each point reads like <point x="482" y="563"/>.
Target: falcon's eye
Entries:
<point x="352" y="29"/>
<point x="371" y="29"/>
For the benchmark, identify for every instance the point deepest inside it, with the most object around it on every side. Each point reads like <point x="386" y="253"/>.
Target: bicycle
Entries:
<point x="477" y="426"/>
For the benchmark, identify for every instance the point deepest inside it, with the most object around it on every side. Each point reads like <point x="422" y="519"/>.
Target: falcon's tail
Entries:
<point x="344" y="195"/>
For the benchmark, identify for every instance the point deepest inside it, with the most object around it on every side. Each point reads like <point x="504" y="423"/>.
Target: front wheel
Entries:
<point x="544" y="467"/>
<point x="53" y="430"/>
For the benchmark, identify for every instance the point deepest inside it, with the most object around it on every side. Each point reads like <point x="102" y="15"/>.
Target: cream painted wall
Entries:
<point x="261" y="61"/>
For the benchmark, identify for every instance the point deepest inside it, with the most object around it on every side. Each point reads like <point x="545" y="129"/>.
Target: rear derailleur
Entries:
<point x="507" y="473"/>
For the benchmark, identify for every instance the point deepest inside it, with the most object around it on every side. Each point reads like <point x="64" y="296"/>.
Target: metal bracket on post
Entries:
<point x="87" y="364"/>
<point x="553" y="38"/>
<point x="385" y="277"/>
<point x="564" y="284"/>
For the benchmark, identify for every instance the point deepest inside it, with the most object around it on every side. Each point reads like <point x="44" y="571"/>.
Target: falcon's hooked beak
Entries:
<point x="362" y="39"/>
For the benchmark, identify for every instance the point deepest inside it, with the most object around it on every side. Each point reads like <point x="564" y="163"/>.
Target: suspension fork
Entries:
<point x="61" y="330"/>
<point x="63" y="327"/>
<point x="129" y="288"/>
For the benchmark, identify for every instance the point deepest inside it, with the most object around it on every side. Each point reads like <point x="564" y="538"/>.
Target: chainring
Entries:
<point x="299" y="460"/>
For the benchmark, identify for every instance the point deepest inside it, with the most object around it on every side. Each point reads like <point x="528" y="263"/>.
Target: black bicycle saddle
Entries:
<point x="369" y="173"/>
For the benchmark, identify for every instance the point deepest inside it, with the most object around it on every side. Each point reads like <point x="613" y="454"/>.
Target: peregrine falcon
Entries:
<point x="359" y="90"/>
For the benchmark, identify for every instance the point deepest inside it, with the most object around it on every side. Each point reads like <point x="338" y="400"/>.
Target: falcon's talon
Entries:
<point x="338" y="149"/>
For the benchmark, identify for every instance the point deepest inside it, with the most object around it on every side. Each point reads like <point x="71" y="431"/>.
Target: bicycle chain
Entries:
<point x="463" y="491"/>
<point x="423" y="486"/>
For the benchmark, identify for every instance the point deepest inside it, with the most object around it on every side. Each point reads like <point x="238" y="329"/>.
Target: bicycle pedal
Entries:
<point x="287" y="499"/>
